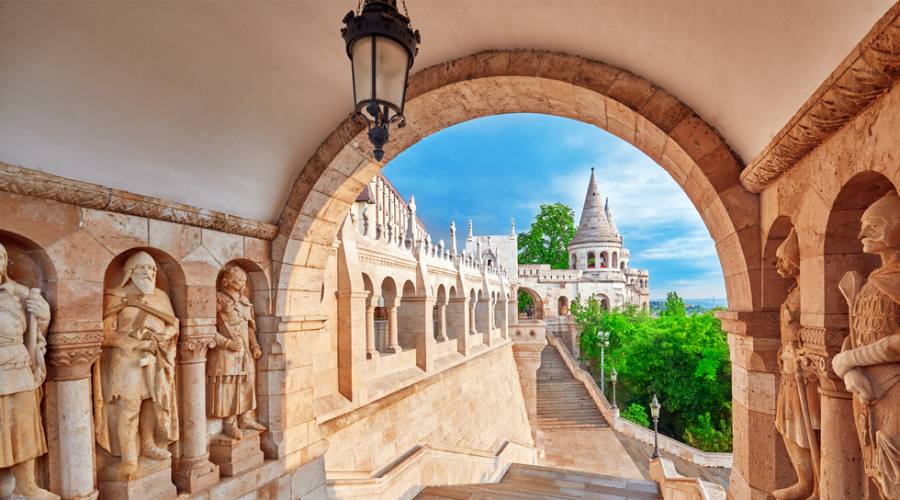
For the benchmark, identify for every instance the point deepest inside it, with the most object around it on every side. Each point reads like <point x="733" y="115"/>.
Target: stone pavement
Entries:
<point x="576" y="436"/>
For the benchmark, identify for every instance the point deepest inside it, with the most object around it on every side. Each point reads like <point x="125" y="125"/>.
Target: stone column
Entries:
<point x="504" y="319"/>
<point x="483" y="314"/>
<point x="458" y="322"/>
<point x="371" y="350"/>
<point x="442" y="322"/>
<point x="70" y="357"/>
<point x="418" y="327"/>
<point x="393" y="343"/>
<point x="352" y="339"/>
<point x="473" y="319"/>
<point x="193" y="470"/>
<point x="528" y="359"/>
<point x="841" y="473"/>
<point x="761" y="464"/>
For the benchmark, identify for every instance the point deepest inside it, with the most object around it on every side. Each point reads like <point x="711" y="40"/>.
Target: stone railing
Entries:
<point x="674" y="486"/>
<point x="643" y="434"/>
<point x="431" y="466"/>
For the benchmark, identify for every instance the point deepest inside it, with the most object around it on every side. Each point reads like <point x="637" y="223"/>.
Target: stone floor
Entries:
<point x="577" y="437"/>
<point x="534" y="482"/>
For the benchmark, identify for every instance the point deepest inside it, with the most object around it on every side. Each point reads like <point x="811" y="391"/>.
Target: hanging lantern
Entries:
<point x="381" y="45"/>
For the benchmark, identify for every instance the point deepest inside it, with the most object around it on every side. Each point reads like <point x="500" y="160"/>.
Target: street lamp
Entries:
<point x="654" y="412"/>
<point x="381" y="45"/>
<point x="613" y="376"/>
<point x="604" y="343"/>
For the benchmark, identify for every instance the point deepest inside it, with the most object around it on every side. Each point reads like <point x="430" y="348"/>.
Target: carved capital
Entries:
<point x="193" y="348"/>
<point x="820" y="366"/>
<point x="71" y="354"/>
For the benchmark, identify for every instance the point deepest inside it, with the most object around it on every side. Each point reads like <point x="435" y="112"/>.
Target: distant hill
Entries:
<point x="692" y="306"/>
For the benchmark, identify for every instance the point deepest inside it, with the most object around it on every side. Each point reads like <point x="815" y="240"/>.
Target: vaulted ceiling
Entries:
<point x="220" y="104"/>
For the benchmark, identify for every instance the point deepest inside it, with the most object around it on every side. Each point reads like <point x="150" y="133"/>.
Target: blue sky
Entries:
<point x="494" y="168"/>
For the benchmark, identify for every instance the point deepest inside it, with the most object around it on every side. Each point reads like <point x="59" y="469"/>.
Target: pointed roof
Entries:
<point x="595" y="225"/>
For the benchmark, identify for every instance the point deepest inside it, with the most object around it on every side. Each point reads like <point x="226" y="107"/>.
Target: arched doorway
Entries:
<point x="530" y="304"/>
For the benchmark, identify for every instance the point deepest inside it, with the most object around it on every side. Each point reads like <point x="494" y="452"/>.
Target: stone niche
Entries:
<point x="232" y="388"/>
<point x="30" y="267"/>
<point x="136" y="405"/>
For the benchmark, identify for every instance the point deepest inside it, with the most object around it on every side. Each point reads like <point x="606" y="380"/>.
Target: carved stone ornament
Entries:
<point x="24" y="318"/>
<point x="867" y="74"/>
<point x="869" y="361"/>
<point x="71" y="355"/>
<point x="135" y="402"/>
<point x="231" y="367"/>
<point x="24" y="181"/>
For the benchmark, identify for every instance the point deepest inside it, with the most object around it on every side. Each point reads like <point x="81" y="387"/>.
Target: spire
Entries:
<point x="595" y="223"/>
<point x="453" y="238"/>
<point x="512" y="227"/>
<point x="469" y="237"/>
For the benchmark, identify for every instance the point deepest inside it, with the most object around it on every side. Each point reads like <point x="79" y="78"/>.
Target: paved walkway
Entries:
<point x="576" y="436"/>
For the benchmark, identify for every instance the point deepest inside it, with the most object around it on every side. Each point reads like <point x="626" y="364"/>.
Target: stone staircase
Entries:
<point x="532" y="482"/>
<point x="562" y="401"/>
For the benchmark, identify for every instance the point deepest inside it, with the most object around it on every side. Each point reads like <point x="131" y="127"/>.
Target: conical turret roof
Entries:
<point x="595" y="226"/>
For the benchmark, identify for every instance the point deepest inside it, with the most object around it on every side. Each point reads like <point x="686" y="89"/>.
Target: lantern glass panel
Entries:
<point x="391" y="63"/>
<point x="362" y="69"/>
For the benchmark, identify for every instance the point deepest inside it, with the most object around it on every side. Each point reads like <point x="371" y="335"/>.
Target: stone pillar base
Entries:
<point x="195" y="474"/>
<point x="153" y="479"/>
<point x="236" y="456"/>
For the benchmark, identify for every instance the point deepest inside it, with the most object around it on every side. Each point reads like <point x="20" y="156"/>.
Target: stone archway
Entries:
<point x="496" y="82"/>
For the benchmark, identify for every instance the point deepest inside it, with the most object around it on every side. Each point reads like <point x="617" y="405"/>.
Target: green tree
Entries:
<point x="637" y="414"/>
<point x="680" y="357"/>
<point x="547" y="240"/>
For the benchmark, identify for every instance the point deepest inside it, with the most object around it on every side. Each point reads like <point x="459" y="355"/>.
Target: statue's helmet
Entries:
<point x="789" y="251"/>
<point x="139" y="259"/>
<point x="880" y="223"/>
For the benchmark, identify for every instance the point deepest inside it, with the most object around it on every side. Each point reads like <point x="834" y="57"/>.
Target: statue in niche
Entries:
<point x="231" y="367"/>
<point x="24" y="318"/>
<point x="136" y="407"/>
<point x="797" y="405"/>
<point x="869" y="361"/>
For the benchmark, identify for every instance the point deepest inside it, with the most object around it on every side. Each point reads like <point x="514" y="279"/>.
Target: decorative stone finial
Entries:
<point x="469" y="237"/>
<point x="512" y="227"/>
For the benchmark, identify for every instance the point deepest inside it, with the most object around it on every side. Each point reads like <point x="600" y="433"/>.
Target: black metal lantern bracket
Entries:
<point x="380" y="18"/>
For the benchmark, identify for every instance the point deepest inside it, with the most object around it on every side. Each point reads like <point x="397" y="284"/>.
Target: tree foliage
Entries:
<point x="683" y="358"/>
<point x="547" y="240"/>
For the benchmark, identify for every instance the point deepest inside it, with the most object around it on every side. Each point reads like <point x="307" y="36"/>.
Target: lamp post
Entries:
<point x="381" y="45"/>
<point x="604" y="343"/>
<point x="654" y="412"/>
<point x="613" y="376"/>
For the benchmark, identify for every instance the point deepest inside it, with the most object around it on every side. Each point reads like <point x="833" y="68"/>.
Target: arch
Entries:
<point x="367" y="283"/>
<point x="636" y="110"/>
<point x="531" y="308"/>
<point x="604" y="260"/>
<point x="409" y="289"/>
<point x="388" y="288"/>
<point x="603" y="300"/>
<point x="615" y="260"/>
<point x="623" y="265"/>
<point x="170" y="277"/>
<point x="563" y="305"/>
<point x="842" y="249"/>
<point x="257" y="289"/>
<point x="29" y="265"/>
<point x="774" y="287"/>
<point x="573" y="261"/>
<point x="591" y="260"/>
